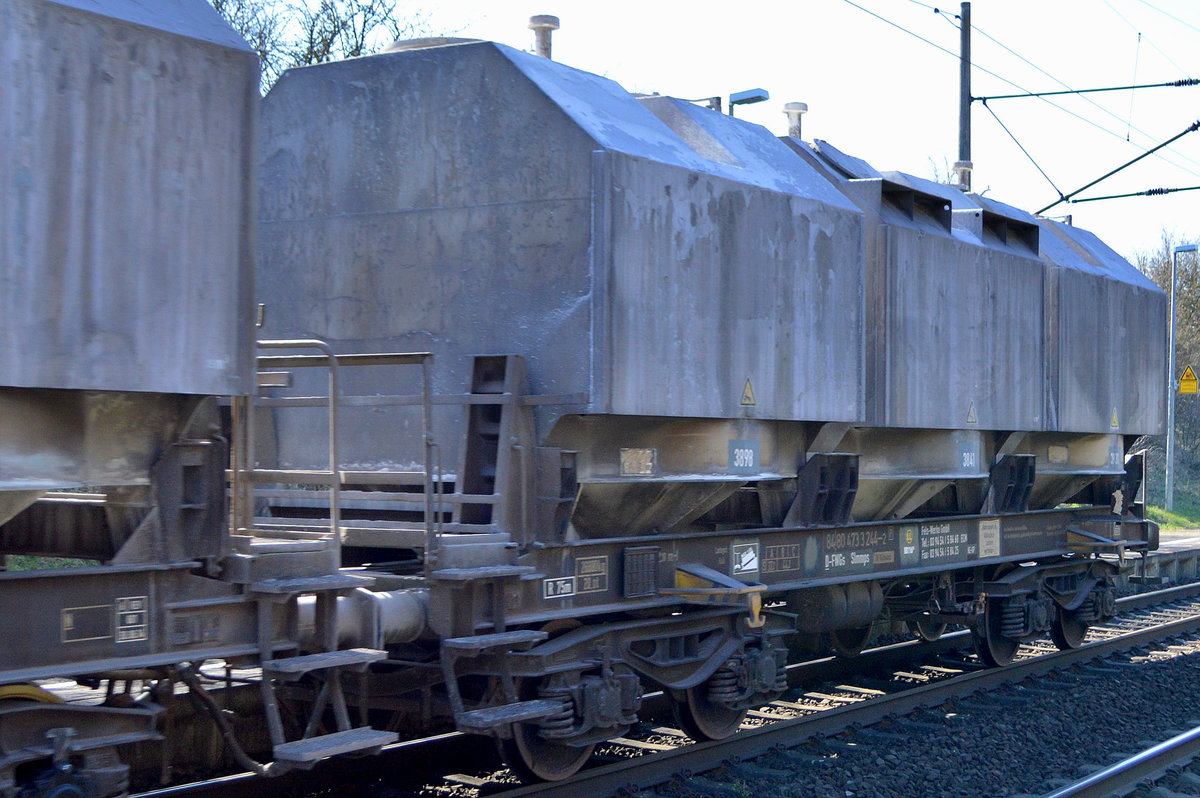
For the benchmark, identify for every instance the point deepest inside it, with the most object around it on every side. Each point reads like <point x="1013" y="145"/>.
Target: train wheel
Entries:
<point x="535" y="759"/>
<point x="850" y="642"/>
<point x="701" y="718"/>
<point x="926" y="629"/>
<point x="993" y="648"/>
<point x="1068" y="631"/>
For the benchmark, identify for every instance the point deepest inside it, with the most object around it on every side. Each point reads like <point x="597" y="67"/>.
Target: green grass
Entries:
<point x="1186" y="514"/>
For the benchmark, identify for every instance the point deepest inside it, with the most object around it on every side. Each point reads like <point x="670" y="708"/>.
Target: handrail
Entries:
<point x="360" y="359"/>
<point x="433" y="512"/>
<point x="331" y="360"/>
<point x="433" y="483"/>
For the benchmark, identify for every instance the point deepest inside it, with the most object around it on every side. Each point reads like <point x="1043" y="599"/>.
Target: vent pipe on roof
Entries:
<point x="542" y="26"/>
<point x="794" y="111"/>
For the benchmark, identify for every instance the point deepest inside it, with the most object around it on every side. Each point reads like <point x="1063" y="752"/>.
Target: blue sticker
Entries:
<point x="743" y="457"/>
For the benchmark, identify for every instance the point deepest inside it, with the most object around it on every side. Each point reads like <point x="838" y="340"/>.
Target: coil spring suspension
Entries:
<point x="781" y="676"/>
<point x="1012" y="619"/>
<point x="1088" y="610"/>
<point x="723" y="686"/>
<point x="1099" y="603"/>
<point x="562" y="722"/>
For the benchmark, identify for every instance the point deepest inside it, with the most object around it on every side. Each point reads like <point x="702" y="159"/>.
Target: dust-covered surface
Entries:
<point x="194" y="18"/>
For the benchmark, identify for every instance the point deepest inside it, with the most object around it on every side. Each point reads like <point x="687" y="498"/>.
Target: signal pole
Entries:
<point x="962" y="168"/>
<point x="1172" y="383"/>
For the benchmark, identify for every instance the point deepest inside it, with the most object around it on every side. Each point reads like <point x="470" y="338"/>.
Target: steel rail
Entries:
<point x="645" y="772"/>
<point x="1126" y="775"/>
<point x="705" y="754"/>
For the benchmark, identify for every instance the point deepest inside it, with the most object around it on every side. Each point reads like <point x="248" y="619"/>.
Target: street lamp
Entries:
<point x="1171" y="387"/>
<point x="747" y="97"/>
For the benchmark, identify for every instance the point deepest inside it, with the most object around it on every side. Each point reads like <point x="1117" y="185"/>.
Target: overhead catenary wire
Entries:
<point x="1182" y="82"/>
<point x="906" y="30"/>
<point x="1128" y="122"/>
<point x="1169" y="15"/>
<point x="1019" y="87"/>
<point x="1137" y="57"/>
<point x="1022" y="148"/>
<point x="1148" y="41"/>
<point x="934" y="9"/>
<point x="1090" y="101"/>
<point x="1067" y="198"/>
<point x="1150" y="192"/>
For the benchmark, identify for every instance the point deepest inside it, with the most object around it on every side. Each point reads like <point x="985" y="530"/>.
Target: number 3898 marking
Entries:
<point x="743" y="456"/>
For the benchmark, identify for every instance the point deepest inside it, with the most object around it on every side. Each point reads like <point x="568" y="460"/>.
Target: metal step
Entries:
<point x="381" y="534"/>
<point x="295" y="667"/>
<point x="486" y="720"/>
<point x="483" y="572"/>
<point x="315" y="749"/>
<point x="258" y="544"/>
<point x="413" y="530"/>
<point x="521" y="638"/>
<point x="312" y="584"/>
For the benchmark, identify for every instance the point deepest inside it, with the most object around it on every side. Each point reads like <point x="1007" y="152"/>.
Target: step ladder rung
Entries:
<point x="295" y="667"/>
<point x="246" y="544"/>
<point x="482" y="572"/>
<point x="520" y="638"/>
<point x="486" y="720"/>
<point x="315" y="749"/>
<point x="312" y="584"/>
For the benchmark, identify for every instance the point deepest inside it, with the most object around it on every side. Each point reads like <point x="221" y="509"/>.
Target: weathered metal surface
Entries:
<point x="125" y="197"/>
<point x="1106" y="321"/>
<point x="94" y="619"/>
<point x="716" y="282"/>
<point x="951" y="343"/>
<point x="54" y="439"/>
<point x="64" y="439"/>
<point x="653" y="257"/>
<point x="963" y="335"/>
<point x="589" y="576"/>
<point x="899" y="469"/>
<point x="955" y="337"/>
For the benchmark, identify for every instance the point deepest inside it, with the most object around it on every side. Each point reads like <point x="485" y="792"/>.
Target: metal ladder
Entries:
<point x="279" y="565"/>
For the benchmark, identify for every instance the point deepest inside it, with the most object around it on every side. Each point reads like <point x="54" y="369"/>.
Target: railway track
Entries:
<point x="885" y="682"/>
<point x="1144" y="768"/>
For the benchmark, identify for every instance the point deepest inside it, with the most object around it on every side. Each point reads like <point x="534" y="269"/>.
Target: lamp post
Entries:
<point x="747" y="97"/>
<point x="1171" y="387"/>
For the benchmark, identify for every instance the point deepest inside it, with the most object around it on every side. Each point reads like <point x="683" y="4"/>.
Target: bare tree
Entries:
<point x="290" y="33"/>
<point x="1156" y="264"/>
<point x="261" y="23"/>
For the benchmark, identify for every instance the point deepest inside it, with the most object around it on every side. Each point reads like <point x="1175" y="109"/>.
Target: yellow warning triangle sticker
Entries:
<point x="748" y="394"/>
<point x="1116" y="421"/>
<point x="1188" y="383"/>
<point x="971" y="417"/>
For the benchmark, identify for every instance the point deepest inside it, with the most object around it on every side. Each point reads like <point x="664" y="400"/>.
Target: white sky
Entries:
<point x="879" y="94"/>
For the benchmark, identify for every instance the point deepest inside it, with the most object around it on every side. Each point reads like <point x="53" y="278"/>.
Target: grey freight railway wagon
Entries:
<point x="677" y="369"/>
<point x="681" y="280"/>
